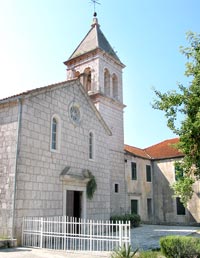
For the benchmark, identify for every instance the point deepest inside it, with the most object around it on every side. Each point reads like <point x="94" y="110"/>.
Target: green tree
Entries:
<point x="185" y="102"/>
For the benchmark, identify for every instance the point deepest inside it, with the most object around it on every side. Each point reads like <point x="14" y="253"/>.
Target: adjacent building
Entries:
<point x="149" y="174"/>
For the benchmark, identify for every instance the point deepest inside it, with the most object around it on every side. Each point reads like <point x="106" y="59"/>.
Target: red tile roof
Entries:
<point x="136" y="151"/>
<point x="162" y="150"/>
<point x="165" y="149"/>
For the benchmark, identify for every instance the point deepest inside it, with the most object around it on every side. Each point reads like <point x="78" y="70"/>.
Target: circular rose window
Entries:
<point x="75" y="113"/>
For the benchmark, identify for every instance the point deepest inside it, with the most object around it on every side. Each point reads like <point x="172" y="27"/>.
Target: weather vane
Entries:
<point x="95" y="2"/>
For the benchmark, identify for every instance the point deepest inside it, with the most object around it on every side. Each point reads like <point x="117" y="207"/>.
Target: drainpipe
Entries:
<point x="153" y="185"/>
<point x="16" y="160"/>
<point x="125" y="184"/>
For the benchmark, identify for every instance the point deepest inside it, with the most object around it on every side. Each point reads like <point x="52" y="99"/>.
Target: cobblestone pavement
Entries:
<point x="144" y="237"/>
<point x="147" y="236"/>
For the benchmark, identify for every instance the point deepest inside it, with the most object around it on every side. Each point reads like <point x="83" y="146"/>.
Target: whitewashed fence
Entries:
<point x="66" y="233"/>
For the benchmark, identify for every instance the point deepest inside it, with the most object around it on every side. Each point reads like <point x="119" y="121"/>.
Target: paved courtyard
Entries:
<point x="43" y="253"/>
<point x="147" y="236"/>
<point x="144" y="237"/>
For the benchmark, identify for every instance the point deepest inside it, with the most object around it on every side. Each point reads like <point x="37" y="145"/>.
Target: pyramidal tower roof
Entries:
<point x="94" y="39"/>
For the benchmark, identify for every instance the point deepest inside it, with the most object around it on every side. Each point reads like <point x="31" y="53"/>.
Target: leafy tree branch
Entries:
<point x="187" y="103"/>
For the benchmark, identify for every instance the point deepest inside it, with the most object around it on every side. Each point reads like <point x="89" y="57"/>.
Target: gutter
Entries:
<point x="16" y="160"/>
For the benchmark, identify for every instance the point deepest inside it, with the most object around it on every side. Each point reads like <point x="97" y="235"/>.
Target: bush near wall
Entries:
<point x="149" y="254"/>
<point x="180" y="247"/>
<point x="134" y="219"/>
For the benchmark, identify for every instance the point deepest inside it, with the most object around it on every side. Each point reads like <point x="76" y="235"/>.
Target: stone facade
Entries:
<point x="53" y="137"/>
<point x="100" y="72"/>
<point x="8" y="155"/>
<point x="112" y="113"/>
<point x="40" y="190"/>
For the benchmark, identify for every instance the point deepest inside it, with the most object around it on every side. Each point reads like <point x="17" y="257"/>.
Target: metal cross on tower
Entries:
<point x="95" y="2"/>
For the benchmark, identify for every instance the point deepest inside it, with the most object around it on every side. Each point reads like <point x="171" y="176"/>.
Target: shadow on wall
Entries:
<point x="165" y="207"/>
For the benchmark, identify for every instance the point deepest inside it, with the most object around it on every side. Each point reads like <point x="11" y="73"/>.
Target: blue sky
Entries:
<point x="37" y="36"/>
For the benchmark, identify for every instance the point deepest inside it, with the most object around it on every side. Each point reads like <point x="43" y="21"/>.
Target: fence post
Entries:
<point x="129" y="232"/>
<point x="120" y="234"/>
<point x="41" y="231"/>
<point x="65" y="225"/>
<point x="90" y="235"/>
<point x="23" y="231"/>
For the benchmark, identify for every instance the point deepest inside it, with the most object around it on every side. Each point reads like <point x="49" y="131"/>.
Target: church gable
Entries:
<point x="62" y="120"/>
<point x="72" y="89"/>
<point x="60" y="128"/>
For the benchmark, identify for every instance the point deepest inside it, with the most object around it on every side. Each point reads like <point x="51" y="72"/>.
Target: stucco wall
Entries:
<point x="165" y="204"/>
<point x="139" y="189"/>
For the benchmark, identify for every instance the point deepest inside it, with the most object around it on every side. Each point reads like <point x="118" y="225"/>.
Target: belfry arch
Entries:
<point x="115" y="87"/>
<point x="87" y="79"/>
<point x="106" y="82"/>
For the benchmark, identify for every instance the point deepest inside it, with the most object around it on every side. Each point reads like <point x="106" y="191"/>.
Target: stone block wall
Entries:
<point x="8" y="142"/>
<point x="112" y="113"/>
<point x="39" y="188"/>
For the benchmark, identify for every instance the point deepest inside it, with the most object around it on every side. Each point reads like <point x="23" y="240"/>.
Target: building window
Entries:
<point x="148" y="173"/>
<point x="115" y="87"/>
<point x="134" y="206"/>
<point x="149" y="207"/>
<point x="133" y="171"/>
<point x="180" y="209"/>
<point x="116" y="188"/>
<point x="54" y="134"/>
<point x="91" y="145"/>
<point x="178" y="171"/>
<point x="107" y="82"/>
<point x="87" y="79"/>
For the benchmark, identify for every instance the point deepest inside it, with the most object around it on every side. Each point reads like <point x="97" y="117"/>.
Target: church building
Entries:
<point x="55" y="139"/>
<point x="62" y="150"/>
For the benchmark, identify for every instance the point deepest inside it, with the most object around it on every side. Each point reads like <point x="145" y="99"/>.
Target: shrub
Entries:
<point x="180" y="247"/>
<point x="148" y="254"/>
<point x="123" y="252"/>
<point x="134" y="219"/>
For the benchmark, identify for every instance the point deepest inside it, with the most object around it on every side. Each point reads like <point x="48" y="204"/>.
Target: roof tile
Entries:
<point x="162" y="150"/>
<point x="136" y="151"/>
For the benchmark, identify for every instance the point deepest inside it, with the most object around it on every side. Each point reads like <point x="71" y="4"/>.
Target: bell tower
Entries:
<point x="99" y="69"/>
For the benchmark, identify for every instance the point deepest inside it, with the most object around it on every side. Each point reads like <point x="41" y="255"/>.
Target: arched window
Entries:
<point x="54" y="134"/>
<point x="55" y="131"/>
<point x="115" y="87"/>
<point x="107" y="82"/>
<point x="87" y="79"/>
<point x="91" y="145"/>
<point x="76" y="74"/>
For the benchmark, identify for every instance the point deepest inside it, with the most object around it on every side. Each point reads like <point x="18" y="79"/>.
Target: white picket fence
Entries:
<point x="66" y="233"/>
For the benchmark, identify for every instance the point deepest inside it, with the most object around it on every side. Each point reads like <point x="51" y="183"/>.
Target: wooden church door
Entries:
<point x="73" y="203"/>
